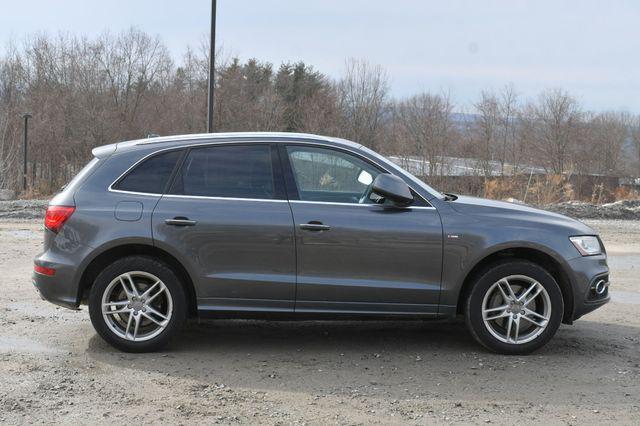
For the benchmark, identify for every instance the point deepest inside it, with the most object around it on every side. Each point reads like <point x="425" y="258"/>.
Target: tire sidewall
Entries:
<point x="473" y="311"/>
<point x="145" y="264"/>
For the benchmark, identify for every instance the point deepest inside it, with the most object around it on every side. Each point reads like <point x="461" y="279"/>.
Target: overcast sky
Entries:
<point x="590" y="48"/>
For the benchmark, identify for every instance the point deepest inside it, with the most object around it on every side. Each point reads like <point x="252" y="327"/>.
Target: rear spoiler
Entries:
<point x="104" y="151"/>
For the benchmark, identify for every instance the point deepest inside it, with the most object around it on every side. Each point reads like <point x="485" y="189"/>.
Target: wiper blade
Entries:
<point x="450" y="197"/>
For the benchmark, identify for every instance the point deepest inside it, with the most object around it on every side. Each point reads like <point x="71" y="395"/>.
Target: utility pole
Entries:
<point x="212" y="63"/>
<point x="26" y="117"/>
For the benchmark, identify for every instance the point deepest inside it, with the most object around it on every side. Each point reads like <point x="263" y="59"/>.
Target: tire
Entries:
<point x="158" y="317"/>
<point x="513" y="331"/>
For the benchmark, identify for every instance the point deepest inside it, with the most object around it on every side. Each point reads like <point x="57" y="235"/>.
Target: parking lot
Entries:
<point x="54" y="368"/>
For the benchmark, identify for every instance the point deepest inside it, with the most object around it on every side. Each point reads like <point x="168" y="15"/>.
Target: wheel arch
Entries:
<point x="545" y="260"/>
<point x="107" y="256"/>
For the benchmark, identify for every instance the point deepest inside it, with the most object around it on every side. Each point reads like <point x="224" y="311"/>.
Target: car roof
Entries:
<point x="177" y="140"/>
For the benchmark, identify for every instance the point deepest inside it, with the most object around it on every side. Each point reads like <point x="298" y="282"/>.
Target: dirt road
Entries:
<point x="53" y="367"/>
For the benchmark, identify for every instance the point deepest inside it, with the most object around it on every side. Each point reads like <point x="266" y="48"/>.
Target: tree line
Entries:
<point x="86" y="92"/>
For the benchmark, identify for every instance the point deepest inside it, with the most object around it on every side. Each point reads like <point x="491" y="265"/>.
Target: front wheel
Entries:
<point x="514" y="307"/>
<point x="137" y="304"/>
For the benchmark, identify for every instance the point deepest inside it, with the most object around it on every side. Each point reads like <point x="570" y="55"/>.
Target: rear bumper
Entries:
<point x="61" y="288"/>
<point x="587" y="271"/>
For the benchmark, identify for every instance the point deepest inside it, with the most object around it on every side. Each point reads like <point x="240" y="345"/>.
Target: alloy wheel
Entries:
<point x="137" y="306"/>
<point x="516" y="309"/>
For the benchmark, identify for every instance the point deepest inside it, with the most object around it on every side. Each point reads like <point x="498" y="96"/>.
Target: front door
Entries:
<point x="227" y="215"/>
<point x="353" y="255"/>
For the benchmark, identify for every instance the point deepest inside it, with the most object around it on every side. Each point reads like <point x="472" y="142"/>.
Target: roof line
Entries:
<point x="243" y="135"/>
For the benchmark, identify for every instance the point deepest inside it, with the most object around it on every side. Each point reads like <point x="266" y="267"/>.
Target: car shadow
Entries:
<point x="314" y="356"/>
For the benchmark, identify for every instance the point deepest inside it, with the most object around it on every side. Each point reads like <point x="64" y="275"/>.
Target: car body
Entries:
<point x="275" y="225"/>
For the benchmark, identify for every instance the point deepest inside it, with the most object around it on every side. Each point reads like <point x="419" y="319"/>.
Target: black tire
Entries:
<point x="158" y="269"/>
<point x="484" y="282"/>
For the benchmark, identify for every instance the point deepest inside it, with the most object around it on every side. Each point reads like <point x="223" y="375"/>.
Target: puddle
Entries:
<point x="626" y="297"/>
<point x="19" y="344"/>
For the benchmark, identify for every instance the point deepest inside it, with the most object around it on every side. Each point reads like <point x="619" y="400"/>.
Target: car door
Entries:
<point x="353" y="255"/>
<point x="227" y="216"/>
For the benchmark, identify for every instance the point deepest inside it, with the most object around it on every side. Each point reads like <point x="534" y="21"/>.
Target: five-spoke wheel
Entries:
<point x="514" y="307"/>
<point x="137" y="306"/>
<point x="137" y="303"/>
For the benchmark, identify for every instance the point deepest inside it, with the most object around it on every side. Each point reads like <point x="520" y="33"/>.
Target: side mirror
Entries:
<point x="392" y="188"/>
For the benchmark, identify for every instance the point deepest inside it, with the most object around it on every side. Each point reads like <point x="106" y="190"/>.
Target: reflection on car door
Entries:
<point x="354" y="256"/>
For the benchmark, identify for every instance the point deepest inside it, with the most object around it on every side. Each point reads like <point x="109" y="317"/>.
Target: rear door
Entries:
<point x="354" y="255"/>
<point x="227" y="215"/>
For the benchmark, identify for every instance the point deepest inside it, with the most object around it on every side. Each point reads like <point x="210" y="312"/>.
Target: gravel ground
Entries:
<point x="54" y="368"/>
<point x="625" y="209"/>
<point x="23" y="209"/>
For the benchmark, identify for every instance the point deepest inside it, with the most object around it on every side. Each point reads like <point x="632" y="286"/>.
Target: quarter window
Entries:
<point x="330" y="175"/>
<point x="233" y="171"/>
<point x="150" y="176"/>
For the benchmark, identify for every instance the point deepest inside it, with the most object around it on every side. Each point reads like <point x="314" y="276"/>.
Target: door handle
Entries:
<point x="314" y="226"/>
<point x="180" y="221"/>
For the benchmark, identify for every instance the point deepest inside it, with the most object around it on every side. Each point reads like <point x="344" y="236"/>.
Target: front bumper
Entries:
<point x="587" y="271"/>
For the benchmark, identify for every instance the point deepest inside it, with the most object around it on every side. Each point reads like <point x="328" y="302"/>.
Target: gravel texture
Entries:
<point x="23" y="209"/>
<point x="625" y="209"/>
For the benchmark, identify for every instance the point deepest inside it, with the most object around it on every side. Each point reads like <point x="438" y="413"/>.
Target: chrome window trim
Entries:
<point x="153" y="194"/>
<point x="293" y="141"/>
<point x="205" y="197"/>
<point x="336" y="203"/>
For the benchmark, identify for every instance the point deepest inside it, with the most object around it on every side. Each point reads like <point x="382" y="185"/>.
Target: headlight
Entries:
<point x="587" y="245"/>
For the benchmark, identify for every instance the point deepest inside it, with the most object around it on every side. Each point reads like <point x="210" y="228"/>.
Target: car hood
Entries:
<point x="510" y="212"/>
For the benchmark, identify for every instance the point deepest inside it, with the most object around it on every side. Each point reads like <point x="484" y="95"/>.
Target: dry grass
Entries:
<point x="551" y="189"/>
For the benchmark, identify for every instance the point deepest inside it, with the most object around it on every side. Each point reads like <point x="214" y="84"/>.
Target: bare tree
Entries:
<point x="427" y="128"/>
<point x="604" y="137"/>
<point x="551" y="128"/>
<point x="635" y="137"/>
<point x="132" y="63"/>
<point x="509" y="148"/>
<point x="85" y="92"/>
<point x="362" y="97"/>
<point x="10" y="70"/>
<point x="488" y="127"/>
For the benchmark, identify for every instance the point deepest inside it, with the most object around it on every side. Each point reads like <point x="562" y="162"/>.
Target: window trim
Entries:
<point x="279" y="191"/>
<point x="285" y="168"/>
<point x="167" y="185"/>
<point x="276" y="171"/>
<point x="293" y="190"/>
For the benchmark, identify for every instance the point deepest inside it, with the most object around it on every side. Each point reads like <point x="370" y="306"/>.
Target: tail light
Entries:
<point x="44" y="270"/>
<point x="57" y="216"/>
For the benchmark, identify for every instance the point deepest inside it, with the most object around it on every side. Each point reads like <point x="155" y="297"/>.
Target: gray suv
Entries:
<point x="282" y="225"/>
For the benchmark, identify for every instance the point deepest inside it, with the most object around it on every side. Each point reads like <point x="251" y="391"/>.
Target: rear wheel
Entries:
<point x="514" y="307"/>
<point x="137" y="304"/>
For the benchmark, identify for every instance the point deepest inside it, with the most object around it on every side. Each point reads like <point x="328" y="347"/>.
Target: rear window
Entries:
<point x="150" y="176"/>
<point x="239" y="171"/>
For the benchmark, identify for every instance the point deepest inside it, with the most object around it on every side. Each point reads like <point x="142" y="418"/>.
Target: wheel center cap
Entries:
<point x="137" y="305"/>
<point x="515" y="306"/>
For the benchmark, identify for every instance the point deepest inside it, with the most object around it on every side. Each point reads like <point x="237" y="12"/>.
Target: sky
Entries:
<point x="591" y="48"/>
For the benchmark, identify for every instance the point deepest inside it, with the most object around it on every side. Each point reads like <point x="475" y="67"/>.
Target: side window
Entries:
<point x="329" y="175"/>
<point x="152" y="175"/>
<point x="233" y="171"/>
